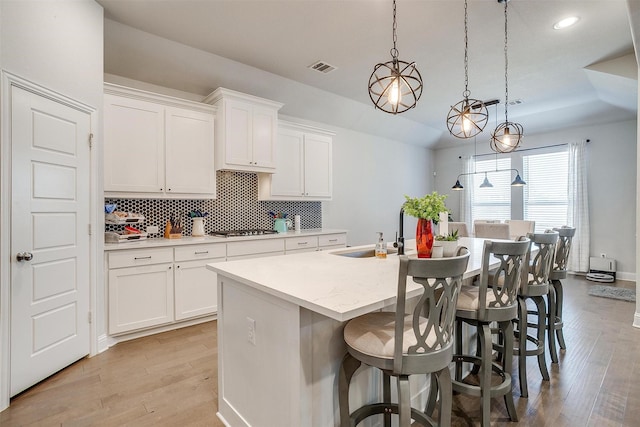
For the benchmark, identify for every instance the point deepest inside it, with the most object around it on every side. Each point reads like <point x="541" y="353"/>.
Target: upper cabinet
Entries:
<point x="304" y="160"/>
<point x="157" y="146"/>
<point x="246" y="131"/>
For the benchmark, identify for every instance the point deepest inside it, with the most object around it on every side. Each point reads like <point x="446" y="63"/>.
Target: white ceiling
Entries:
<point x="583" y="74"/>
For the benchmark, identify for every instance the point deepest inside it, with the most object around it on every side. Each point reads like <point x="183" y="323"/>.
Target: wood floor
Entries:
<point x="170" y="379"/>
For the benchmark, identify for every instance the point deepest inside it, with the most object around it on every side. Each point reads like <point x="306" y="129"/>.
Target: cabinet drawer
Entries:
<point x="308" y="242"/>
<point x="140" y="257"/>
<point x="195" y="252"/>
<point x="255" y="247"/>
<point x="332" y="240"/>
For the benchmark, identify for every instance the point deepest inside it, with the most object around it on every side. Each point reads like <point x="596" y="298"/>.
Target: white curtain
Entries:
<point x="578" y="207"/>
<point x="466" y="201"/>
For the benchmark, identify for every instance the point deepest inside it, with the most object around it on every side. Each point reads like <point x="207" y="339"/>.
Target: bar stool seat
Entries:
<point x="401" y="344"/>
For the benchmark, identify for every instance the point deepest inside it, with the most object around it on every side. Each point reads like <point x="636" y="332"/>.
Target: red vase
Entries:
<point x="424" y="238"/>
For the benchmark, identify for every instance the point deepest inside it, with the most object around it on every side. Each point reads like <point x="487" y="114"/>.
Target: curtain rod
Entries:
<point x="524" y="149"/>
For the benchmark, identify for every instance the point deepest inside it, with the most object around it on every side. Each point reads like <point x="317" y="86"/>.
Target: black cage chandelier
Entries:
<point x="507" y="135"/>
<point x="468" y="117"/>
<point x="395" y="86"/>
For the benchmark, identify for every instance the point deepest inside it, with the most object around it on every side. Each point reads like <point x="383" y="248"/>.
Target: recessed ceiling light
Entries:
<point x="566" y="22"/>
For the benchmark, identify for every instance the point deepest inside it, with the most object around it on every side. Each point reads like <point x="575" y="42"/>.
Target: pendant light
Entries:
<point x="395" y="86"/>
<point x="468" y="117"/>
<point x="507" y="135"/>
<point x="486" y="183"/>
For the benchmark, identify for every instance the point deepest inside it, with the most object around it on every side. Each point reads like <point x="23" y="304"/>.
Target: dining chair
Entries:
<point x="489" y="230"/>
<point x="461" y="227"/>
<point x="555" y="297"/>
<point x="534" y="286"/>
<point x="401" y="344"/>
<point x="494" y="299"/>
<point x="520" y="227"/>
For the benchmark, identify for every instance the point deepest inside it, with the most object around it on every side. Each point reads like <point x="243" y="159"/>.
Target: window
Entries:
<point x="493" y="202"/>
<point x="545" y="195"/>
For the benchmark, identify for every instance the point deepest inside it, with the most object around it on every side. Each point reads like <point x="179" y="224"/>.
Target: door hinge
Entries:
<point x="90" y="140"/>
<point x="89" y="317"/>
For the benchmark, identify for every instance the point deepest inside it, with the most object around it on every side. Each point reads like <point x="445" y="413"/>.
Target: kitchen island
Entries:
<point x="280" y="322"/>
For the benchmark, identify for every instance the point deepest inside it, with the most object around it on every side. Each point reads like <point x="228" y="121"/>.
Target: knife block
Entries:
<point x="171" y="232"/>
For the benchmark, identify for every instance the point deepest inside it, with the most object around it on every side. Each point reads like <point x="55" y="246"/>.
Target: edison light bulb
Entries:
<point x="466" y="123"/>
<point x="506" y="139"/>
<point x="394" y="92"/>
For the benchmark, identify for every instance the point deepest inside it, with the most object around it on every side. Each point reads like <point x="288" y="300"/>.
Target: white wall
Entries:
<point x="612" y="187"/>
<point x="58" y="45"/>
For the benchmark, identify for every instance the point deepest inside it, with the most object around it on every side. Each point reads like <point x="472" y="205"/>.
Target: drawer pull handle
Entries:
<point x="303" y="243"/>
<point x="201" y="252"/>
<point x="143" y="257"/>
<point x="333" y="240"/>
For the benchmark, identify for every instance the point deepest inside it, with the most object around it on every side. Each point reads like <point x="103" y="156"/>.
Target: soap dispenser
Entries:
<point x="381" y="247"/>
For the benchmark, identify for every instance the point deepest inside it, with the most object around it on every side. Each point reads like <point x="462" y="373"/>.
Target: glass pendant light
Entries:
<point x="507" y="135"/>
<point x="395" y="86"/>
<point x="468" y="117"/>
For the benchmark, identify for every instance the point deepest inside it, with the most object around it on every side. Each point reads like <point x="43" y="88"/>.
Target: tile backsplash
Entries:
<point x="237" y="207"/>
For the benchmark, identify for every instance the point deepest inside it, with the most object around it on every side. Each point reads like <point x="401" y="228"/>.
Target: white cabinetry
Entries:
<point x="255" y="248"/>
<point x="332" y="241"/>
<point x="304" y="159"/>
<point x="294" y="245"/>
<point x="140" y="289"/>
<point x="157" y="146"/>
<point x="196" y="291"/>
<point x="246" y="131"/>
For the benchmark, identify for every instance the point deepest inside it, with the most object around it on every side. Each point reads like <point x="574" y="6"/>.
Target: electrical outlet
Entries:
<point x="603" y="255"/>
<point x="251" y="330"/>
<point x="152" y="229"/>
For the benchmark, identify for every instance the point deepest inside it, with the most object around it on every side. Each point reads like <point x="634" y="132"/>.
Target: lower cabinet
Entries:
<point x="140" y="297"/>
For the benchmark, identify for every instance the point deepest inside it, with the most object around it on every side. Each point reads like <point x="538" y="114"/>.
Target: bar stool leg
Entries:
<point x="443" y="379"/>
<point x="484" y="334"/>
<point x="404" y="399"/>
<point x="386" y="396"/>
<point x="542" y="323"/>
<point x="348" y="367"/>
<point x="552" y="298"/>
<point x="507" y="331"/>
<point x="557" y="285"/>
<point x="522" y="347"/>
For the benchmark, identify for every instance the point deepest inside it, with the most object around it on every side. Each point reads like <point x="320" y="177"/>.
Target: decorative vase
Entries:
<point x="198" y="227"/>
<point x="424" y="238"/>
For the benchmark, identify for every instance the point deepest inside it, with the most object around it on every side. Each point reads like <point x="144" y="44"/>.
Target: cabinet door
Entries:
<point x="288" y="180"/>
<point x="238" y="132"/>
<point x="196" y="289"/>
<point x="140" y="297"/>
<point x="189" y="152"/>
<point x="133" y="145"/>
<point x="264" y="137"/>
<point x="317" y="166"/>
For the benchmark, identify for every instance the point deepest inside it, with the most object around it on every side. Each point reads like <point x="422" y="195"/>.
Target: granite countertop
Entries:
<point x="188" y="240"/>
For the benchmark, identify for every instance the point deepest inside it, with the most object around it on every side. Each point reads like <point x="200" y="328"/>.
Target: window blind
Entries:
<point x="545" y="195"/>
<point x="493" y="202"/>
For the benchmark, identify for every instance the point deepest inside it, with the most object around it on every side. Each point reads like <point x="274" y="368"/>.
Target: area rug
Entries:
<point x="613" y="292"/>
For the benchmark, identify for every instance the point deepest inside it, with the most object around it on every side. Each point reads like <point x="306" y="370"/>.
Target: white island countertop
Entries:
<point x="339" y="287"/>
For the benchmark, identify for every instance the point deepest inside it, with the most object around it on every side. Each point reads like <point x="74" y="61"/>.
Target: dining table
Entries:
<point x="280" y="325"/>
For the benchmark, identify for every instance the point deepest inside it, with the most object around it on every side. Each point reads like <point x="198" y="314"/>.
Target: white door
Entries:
<point x="50" y="200"/>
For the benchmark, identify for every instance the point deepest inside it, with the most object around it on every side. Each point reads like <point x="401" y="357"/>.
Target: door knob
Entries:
<point x="24" y="256"/>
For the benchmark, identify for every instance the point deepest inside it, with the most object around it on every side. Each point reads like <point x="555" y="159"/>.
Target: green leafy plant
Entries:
<point x="451" y="237"/>
<point x="428" y="206"/>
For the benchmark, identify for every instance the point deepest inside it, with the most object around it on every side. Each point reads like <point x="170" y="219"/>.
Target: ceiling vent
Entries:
<point x="516" y="102"/>
<point x="322" y="67"/>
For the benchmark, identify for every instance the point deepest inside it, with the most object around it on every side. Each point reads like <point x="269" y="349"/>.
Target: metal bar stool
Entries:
<point x="401" y="344"/>
<point x="555" y="297"/>
<point x="493" y="300"/>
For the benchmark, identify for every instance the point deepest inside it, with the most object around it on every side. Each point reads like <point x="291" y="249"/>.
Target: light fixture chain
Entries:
<point x="394" y="51"/>
<point x="466" y="53"/>
<point x="506" y="61"/>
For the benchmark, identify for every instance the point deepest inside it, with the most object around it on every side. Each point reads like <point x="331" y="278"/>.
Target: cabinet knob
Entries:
<point x="161" y="189"/>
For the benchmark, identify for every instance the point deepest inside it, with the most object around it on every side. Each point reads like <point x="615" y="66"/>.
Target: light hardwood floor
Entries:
<point x="170" y="379"/>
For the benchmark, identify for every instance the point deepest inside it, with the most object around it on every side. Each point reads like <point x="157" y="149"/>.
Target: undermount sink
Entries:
<point x="364" y="253"/>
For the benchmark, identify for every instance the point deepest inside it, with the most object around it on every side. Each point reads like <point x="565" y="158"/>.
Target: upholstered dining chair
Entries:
<point x="490" y="230"/>
<point x="520" y="227"/>
<point x="461" y="227"/>
<point x="494" y="299"/>
<point x="401" y="344"/>
<point x="555" y="297"/>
